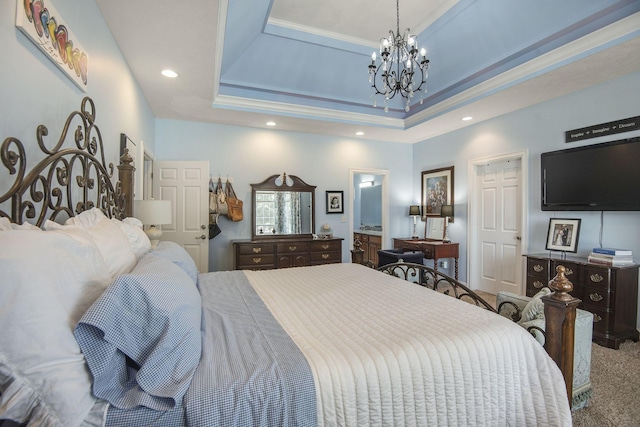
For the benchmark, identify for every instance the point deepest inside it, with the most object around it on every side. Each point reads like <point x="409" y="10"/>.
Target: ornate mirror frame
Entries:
<point x="282" y="183"/>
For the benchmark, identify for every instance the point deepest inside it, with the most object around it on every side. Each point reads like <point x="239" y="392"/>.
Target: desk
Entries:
<point x="432" y="249"/>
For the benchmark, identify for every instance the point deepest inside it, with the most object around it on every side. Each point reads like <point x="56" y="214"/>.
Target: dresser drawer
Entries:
<point x="596" y="277"/>
<point x="325" y="257"/>
<point x="603" y="320"/>
<point x="321" y="246"/>
<point x="292" y="247"/>
<point x="254" y="261"/>
<point x="255" y="249"/>
<point x="539" y="268"/>
<point x="596" y="298"/>
<point x="534" y="284"/>
<point x="571" y="270"/>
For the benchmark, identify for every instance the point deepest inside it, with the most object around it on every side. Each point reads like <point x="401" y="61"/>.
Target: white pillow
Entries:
<point x="5" y="224"/>
<point x="87" y="219"/>
<point x="111" y="242"/>
<point x="49" y="279"/>
<point x="138" y="240"/>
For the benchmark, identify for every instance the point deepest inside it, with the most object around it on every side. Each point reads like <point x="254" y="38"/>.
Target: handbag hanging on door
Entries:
<point x="218" y="200"/>
<point x="234" y="204"/>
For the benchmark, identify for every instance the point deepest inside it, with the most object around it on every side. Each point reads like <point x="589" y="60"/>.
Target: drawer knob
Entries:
<point x="325" y="256"/>
<point x="537" y="284"/>
<point x="293" y="248"/>
<point x="257" y="250"/>
<point x="257" y="260"/>
<point x="596" y="318"/>
<point x="596" y="278"/>
<point x="325" y="247"/>
<point x="595" y="297"/>
<point x="538" y="268"/>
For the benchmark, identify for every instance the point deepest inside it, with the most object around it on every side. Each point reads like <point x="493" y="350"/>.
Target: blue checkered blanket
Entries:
<point x="250" y="373"/>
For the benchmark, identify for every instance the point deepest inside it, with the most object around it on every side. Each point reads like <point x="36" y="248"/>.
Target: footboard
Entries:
<point x="435" y="280"/>
<point x="559" y="308"/>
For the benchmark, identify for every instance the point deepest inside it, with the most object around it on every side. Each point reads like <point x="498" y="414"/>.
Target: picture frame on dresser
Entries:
<point x="563" y="234"/>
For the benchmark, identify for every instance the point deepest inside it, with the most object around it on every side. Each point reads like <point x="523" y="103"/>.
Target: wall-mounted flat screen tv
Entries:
<point x="599" y="177"/>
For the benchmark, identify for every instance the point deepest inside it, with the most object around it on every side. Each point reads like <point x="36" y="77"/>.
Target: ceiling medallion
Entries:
<point x="400" y="67"/>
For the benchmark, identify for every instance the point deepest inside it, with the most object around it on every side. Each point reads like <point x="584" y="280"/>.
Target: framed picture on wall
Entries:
<point x="437" y="190"/>
<point x="335" y="202"/>
<point x="563" y="235"/>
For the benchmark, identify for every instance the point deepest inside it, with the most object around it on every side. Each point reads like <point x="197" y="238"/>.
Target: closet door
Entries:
<point x="186" y="184"/>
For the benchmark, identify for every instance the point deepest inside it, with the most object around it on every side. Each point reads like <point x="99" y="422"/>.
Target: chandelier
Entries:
<point x="401" y="70"/>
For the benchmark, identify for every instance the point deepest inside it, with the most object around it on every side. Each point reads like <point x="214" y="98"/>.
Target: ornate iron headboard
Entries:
<point x="47" y="190"/>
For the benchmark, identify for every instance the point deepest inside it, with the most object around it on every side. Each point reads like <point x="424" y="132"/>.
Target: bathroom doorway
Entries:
<point x="369" y="210"/>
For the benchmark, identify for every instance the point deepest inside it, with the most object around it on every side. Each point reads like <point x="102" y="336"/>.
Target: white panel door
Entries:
<point x="499" y="186"/>
<point x="186" y="184"/>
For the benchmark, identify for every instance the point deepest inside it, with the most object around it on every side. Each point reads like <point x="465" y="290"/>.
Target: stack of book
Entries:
<point x="611" y="257"/>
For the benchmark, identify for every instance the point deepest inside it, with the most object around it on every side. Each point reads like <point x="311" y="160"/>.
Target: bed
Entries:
<point x="98" y="329"/>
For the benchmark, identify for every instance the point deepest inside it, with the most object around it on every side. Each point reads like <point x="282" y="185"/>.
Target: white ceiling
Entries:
<point x="230" y="56"/>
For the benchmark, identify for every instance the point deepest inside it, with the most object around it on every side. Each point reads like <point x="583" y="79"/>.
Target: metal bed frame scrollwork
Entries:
<point x="47" y="191"/>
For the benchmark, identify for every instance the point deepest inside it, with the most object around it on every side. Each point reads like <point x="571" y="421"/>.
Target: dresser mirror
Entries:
<point x="283" y="208"/>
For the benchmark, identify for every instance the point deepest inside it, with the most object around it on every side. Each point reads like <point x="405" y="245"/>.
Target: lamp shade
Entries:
<point x="446" y="210"/>
<point x="152" y="212"/>
<point x="414" y="210"/>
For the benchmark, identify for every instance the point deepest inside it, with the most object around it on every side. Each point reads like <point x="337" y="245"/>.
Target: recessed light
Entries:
<point x="467" y="118"/>
<point x="359" y="133"/>
<point x="169" y="73"/>
<point x="271" y="123"/>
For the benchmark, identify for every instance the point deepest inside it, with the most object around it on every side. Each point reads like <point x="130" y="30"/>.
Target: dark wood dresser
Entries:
<point x="610" y="293"/>
<point x="270" y="254"/>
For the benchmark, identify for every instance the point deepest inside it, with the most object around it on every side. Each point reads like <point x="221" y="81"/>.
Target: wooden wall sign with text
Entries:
<point x="619" y="126"/>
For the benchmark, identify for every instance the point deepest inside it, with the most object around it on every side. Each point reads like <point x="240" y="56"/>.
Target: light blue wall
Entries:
<point x="34" y="91"/>
<point x="539" y="129"/>
<point x="251" y="155"/>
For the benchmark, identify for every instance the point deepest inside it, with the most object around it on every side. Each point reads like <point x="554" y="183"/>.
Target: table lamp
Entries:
<point x="414" y="211"/>
<point x="447" y="212"/>
<point x="153" y="213"/>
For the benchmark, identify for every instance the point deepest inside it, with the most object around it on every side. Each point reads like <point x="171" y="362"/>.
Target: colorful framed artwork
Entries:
<point x="437" y="190"/>
<point x="43" y="25"/>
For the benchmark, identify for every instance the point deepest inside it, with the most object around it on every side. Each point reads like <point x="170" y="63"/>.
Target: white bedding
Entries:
<point x="394" y="353"/>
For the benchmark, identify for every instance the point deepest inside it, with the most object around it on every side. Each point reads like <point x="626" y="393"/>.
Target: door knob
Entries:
<point x="203" y="227"/>
<point x="518" y="238"/>
<point x="202" y="237"/>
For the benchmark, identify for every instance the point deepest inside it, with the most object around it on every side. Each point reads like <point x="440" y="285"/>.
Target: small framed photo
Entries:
<point x="563" y="235"/>
<point x="335" y="202"/>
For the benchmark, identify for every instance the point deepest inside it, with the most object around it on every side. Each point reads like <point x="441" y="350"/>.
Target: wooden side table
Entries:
<point x="432" y="249"/>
